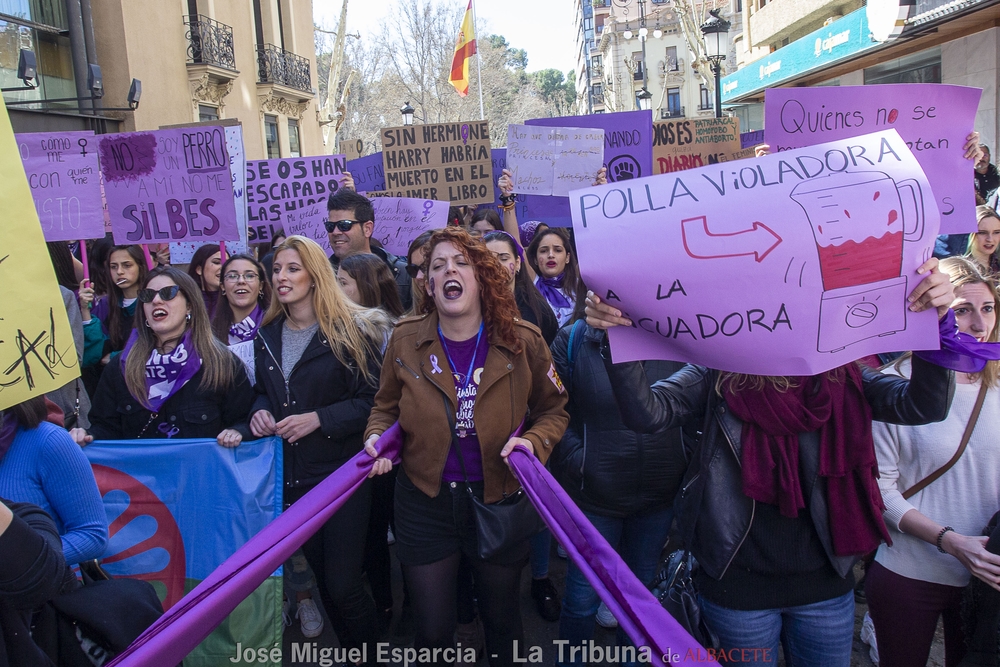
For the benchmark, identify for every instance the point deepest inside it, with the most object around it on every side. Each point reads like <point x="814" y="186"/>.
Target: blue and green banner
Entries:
<point x="177" y="509"/>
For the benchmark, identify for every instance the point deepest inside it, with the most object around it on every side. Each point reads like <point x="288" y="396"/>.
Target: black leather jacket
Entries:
<point x="711" y="503"/>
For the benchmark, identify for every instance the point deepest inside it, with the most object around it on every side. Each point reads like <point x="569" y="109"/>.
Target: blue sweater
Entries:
<point x="46" y="468"/>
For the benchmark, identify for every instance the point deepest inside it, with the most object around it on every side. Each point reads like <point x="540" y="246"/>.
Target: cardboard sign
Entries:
<point x="169" y="185"/>
<point x="181" y="253"/>
<point x="933" y="119"/>
<point x="37" y="353"/>
<point x="399" y="221"/>
<point x="368" y="173"/>
<point x="628" y="154"/>
<point x="352" y="149"/>
<point x="553" y="160"/>
<point x="280" y="186"/>
<point x="789" y="264"/>
<point x="64" y="178"/>
<point x="445" y="162"/>
<point x="308" y="221"/>
<point x="694" y="142"/>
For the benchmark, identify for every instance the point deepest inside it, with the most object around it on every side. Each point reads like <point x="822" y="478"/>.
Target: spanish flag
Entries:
<point x="465" y="48"/>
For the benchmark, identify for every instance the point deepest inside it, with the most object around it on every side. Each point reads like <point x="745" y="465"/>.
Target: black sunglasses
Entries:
<point x="342" y="225"/>
<point x="413" y="269"/>
<point x="166" y="293"/>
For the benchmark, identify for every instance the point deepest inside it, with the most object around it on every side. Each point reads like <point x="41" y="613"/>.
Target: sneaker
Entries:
<point x="546" y="599"/>
<point x="562" y="553"/>
<point x="868" y="637"/>
<point x="310" y="618"/>
<point x="286" y="611"/>
<point x="605" y="618"/>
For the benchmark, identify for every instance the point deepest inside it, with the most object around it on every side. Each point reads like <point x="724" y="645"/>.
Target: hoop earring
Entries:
<point x="188" y="318"/>
<point x="146" y="322"/>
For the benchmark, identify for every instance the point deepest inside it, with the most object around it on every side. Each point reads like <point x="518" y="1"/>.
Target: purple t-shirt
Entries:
<point x="459" y="354"/>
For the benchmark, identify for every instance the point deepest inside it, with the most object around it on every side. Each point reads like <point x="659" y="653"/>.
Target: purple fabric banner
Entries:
<point x="641" y="616"/>
<point x="187" y="623"/>
<point x="169" y="185"/>
<point x="277" y="188"/>
<point x="64" y="177"/>
<point x="932" y="119"/>
<point x="628" y="154"/>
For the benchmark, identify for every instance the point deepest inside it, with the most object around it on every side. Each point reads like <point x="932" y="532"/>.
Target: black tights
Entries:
<point x="433" y="590"/>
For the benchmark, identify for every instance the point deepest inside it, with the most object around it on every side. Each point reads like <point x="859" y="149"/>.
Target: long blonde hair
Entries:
<point x="217" y="362"/>
<point x="962" y="271"/>
<point x="982" y="212"/>
<point x="355" y="333"/>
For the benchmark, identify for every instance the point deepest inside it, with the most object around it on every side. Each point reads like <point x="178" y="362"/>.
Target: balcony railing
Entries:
<point x="706" y="106"/>
<point x="596" y="71"/>
<point x="671" y="113"/>
<point x="597" y="99"/>
<point x="209" y="42"/>
<point x="637" y="75"/>
<point x="275" y="65"/>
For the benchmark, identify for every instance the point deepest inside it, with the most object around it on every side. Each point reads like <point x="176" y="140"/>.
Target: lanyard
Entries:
<point x="475" y="353"/>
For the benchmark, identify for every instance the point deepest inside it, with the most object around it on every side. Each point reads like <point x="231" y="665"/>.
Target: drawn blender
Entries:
<point x="859" y="220"/>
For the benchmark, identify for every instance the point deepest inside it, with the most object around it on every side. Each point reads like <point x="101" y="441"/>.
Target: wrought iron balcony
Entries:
<point x="676" y="112"/>
<point x="275" y="65"/>
<point x="209" y="42"/>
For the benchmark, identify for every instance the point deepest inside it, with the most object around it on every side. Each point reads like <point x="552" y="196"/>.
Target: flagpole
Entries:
<point x="479" y="62"/>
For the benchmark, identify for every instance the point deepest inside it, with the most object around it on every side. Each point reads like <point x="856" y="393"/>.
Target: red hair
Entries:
<point x="495" y="298"/>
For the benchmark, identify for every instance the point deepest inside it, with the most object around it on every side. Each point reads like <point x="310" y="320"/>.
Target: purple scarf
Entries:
<point x="165" y="375"/>
<point x="8" y="428"/>
<point x="549" y="287"/>
<point x="246" y="329"/>
<point x="959" y="352"/>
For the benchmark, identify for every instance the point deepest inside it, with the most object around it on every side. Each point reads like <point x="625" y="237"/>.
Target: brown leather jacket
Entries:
<point x="513" y="386"/>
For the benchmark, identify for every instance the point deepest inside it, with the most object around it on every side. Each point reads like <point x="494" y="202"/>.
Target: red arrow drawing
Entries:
<point x="700" y="243"/>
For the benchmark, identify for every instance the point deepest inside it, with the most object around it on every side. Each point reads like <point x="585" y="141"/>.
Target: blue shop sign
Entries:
<point x="841" y="39"/>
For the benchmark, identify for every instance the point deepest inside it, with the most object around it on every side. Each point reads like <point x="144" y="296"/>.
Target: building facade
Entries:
<point x="884" y="41"/>
<point x="198" y="60"/>
<point x="625" y="46"/>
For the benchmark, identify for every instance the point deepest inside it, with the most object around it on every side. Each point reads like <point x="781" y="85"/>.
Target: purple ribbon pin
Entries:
<point x="434" y="363"/>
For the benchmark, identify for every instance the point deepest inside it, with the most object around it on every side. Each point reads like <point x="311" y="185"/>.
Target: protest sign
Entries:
<point x="553" y="160"/>
<point x="352" y="149"/>
<point x="933" y="119"/>
<point x="444" y="162"/>
<point x="399" y="221"/>
<point x="308" y="221"/>
<point x="751" y="139"/>
<point x="790" y="264"/>
<point x="628" y="154"/>
<point x="694" y="142"/>
<point x="37" y="354"/>
<point x="499" y="157"/>
<point x="280" y="186"/>
<point x="169" y="185"/>
<point x="177" y="509"/>
<point x="181" y="253"/>
<point x="64" y="178"/>
<point x="368" y="173"/>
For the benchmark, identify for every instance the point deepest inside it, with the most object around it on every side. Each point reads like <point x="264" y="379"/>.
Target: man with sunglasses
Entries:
<point x="350" y="223"/>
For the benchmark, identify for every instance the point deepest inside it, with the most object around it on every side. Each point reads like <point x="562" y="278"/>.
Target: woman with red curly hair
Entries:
<point x="460" y="379"/>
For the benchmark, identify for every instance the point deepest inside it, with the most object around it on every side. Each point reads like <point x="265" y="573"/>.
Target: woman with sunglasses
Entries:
<point x="246" y="294"/>
<point x="174" y="380"/>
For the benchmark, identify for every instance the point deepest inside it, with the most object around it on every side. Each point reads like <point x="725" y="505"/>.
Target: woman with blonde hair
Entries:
<point x="317" y="366"/>
<point x="174" y="378"/>
<point x="936" y="520"/>
<point x="985" y="243"/>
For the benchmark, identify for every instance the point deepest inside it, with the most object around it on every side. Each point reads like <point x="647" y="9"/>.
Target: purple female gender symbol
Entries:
<point x="465" y="134"/>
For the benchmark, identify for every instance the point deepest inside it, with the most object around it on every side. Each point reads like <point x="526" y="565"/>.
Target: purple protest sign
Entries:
<point x="748" y="139"/>
<point x="790" y="264"/>
<point x="308" y="222"/>
<point x="398" y="220"/>
<point x="169" y="185"/>
<point x="368" y="173"/>
<point x="279" y="187"/>
<point x="64" y="177"/>
<point x="628" y="154"/>
<point x="499" y="156"/>
<point x="932" y="119"/>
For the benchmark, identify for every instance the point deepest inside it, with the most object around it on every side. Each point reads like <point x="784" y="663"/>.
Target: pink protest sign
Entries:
<point x="399" y="220"/>
<point x="63" y="174"/>
<point x="169" y="185"/>
<point x="276" y="188"/>
<point x="790" y="264"/>
<point x="308" y="221"/>
<point x="933" y="120"/>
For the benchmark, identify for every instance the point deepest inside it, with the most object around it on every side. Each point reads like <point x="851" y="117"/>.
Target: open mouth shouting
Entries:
<point x="452" y="290"/>
<point x="159" y="314"/>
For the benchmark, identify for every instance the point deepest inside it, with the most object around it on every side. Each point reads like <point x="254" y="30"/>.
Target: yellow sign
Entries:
<point x="37" y="354"/>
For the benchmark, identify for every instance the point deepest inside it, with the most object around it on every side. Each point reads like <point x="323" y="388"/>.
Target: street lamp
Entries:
<point x="645" y="99"/>
<point x="407" y="112"/>
<point x="716" y="33"/>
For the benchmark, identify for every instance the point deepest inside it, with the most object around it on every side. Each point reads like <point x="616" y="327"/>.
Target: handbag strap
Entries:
<point x="973" y="418"/>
